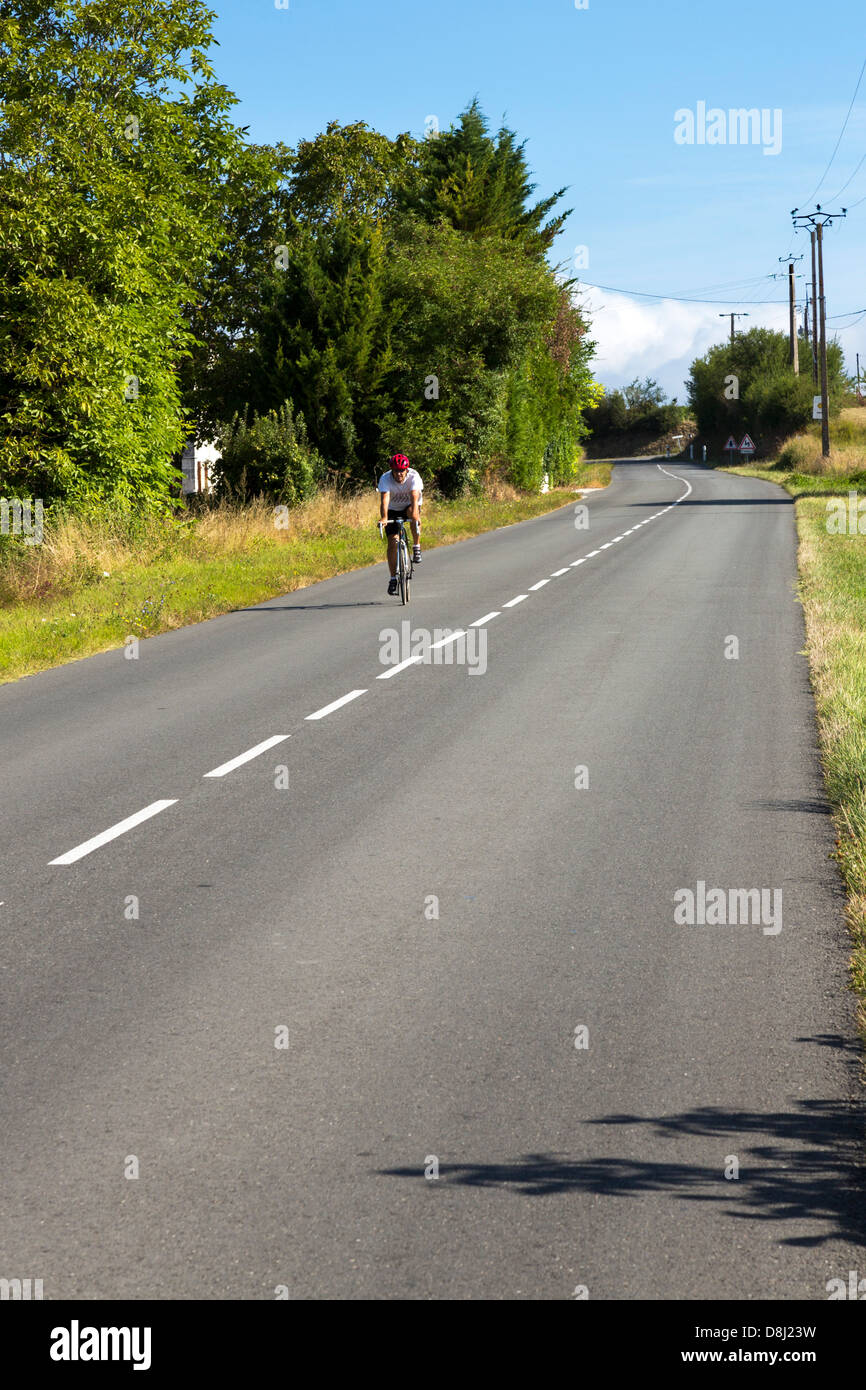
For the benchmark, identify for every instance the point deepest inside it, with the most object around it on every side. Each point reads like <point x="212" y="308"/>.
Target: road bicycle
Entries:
<point x="405" y="567"/>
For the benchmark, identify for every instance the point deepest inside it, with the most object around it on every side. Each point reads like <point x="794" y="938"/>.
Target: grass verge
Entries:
<point x="832" y="574"/>
<point x="91" y="585"/>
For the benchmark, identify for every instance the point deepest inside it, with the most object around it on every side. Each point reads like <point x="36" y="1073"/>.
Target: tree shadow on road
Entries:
<point x="795" y="1167"/>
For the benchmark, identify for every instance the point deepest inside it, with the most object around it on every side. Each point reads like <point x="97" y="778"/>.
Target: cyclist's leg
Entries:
<point x="416" y="536"/>
<point x="392" y="530"/>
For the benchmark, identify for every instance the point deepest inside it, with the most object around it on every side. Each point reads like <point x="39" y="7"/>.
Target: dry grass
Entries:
<point x="80" y="550"/>
<point x="801" y="453"/>
<point x="94" y="582"/>
<point x="832" y="569"/>
<point x="832" y="575"/>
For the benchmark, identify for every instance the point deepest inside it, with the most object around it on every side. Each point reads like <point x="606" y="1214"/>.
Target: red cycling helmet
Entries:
<point x="398" y="463"/>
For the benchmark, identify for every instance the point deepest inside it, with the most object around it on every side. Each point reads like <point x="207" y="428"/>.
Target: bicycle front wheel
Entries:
<point x="404" y="572"/>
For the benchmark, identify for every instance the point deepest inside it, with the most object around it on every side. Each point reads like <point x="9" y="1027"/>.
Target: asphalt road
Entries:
<point x="294" y="899"/>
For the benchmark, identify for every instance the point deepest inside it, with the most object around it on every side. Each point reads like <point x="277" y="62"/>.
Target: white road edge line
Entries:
<point x="401" y="666"/>
<point x="557" y="573"/>
<point x="581" y="561"/>
<point x="113" y="832"/>
<point x="245" y="757"/>
<point x="683" y="495"/>
<point x="540" y="585"/>
<point x="336" y="704"/>
<point x="487" y="616"/>
<point x="591" y="553"/>
<point x="512" y="601"/>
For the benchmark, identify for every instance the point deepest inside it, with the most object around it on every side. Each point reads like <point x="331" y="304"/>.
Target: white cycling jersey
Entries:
<point x="401" y="493"/>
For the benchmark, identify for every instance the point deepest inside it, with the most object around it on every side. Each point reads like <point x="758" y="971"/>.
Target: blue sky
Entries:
<point x="594" y="93"/>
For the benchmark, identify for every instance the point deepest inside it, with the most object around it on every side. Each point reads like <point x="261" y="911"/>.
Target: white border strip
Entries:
<point x="401" y="666"/>
<point x="113" y="832"/>
<point x="452" y="637"/>
<point x="336" y="704"/>
<point x="245" y="757"/>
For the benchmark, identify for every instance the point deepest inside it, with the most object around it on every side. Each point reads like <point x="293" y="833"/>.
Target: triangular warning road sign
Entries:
<point x="732" y="443"/>
<point x="747" y="447"/>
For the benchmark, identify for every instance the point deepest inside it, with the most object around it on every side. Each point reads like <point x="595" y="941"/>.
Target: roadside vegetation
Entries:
<point x="638" y="419"/>
<point x="93" y="583"/>
<point x="310" y="310"/>
<point x="748" y="387"/>
<point x="830" y="504"/>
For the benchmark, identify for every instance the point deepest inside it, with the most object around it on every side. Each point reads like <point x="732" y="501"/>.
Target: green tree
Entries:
<point x="463" y="313"/>
<point x="117" y="150"/>
<point x="349" y="171"/>
<point x="323" y="338"/>
<point x="481" y="185"/>
<point x="548" y="395"/>
<point x="750" y="385"/>
<point x="218" y="375"/>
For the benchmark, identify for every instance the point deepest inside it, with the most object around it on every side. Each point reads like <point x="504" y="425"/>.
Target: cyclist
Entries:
<point x="400" y="497"/>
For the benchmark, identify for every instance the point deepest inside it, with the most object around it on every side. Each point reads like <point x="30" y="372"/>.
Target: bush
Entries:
<point x="779" y="401"/>
<point x="269" y="456"/>
<point x="640" y="407"/>
<point x="749" y="385"/>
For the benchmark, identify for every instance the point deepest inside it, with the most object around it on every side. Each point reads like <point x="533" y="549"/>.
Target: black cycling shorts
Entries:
<point x="395" y="514"/>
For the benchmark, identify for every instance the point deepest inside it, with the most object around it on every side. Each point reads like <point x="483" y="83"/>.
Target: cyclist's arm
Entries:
<point x="384" y="498"/>
<point x="416" y="501"/>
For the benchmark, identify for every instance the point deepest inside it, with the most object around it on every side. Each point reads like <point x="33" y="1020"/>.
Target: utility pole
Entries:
<point x="732" y="317"/>
<point x="793" y="347"/>
<point x="806" y="317"/>
<point x="814" y="314"/>
<point x="817" y="220"/>
<point x="825" y="405"/>
<point x="859" y="397"/>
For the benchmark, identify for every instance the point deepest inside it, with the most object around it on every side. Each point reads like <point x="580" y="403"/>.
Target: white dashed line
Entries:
<point x="557" y="573"/>
<point x="452" y="637"/>
<point x="245" y="757"/>
<point x="590" y="555"/>
<point x="512" y="602"/>
<point x="581" y="561"/>
<point x="486" y="619"/>
<point x="606" y="546"/>
<point x="113" y="832"/>
<point x="540" y="585"/>
<point x="336" y="704"/>
<point x="401" y="666"/>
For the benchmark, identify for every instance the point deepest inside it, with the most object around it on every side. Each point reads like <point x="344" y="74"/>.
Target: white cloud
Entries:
<point x="660" y="340"/>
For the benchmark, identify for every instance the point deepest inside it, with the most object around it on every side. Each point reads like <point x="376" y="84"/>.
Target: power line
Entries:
<point x="808" y="200"/>
<point x="845" y="185"/>
<point x="679" y="298"/>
